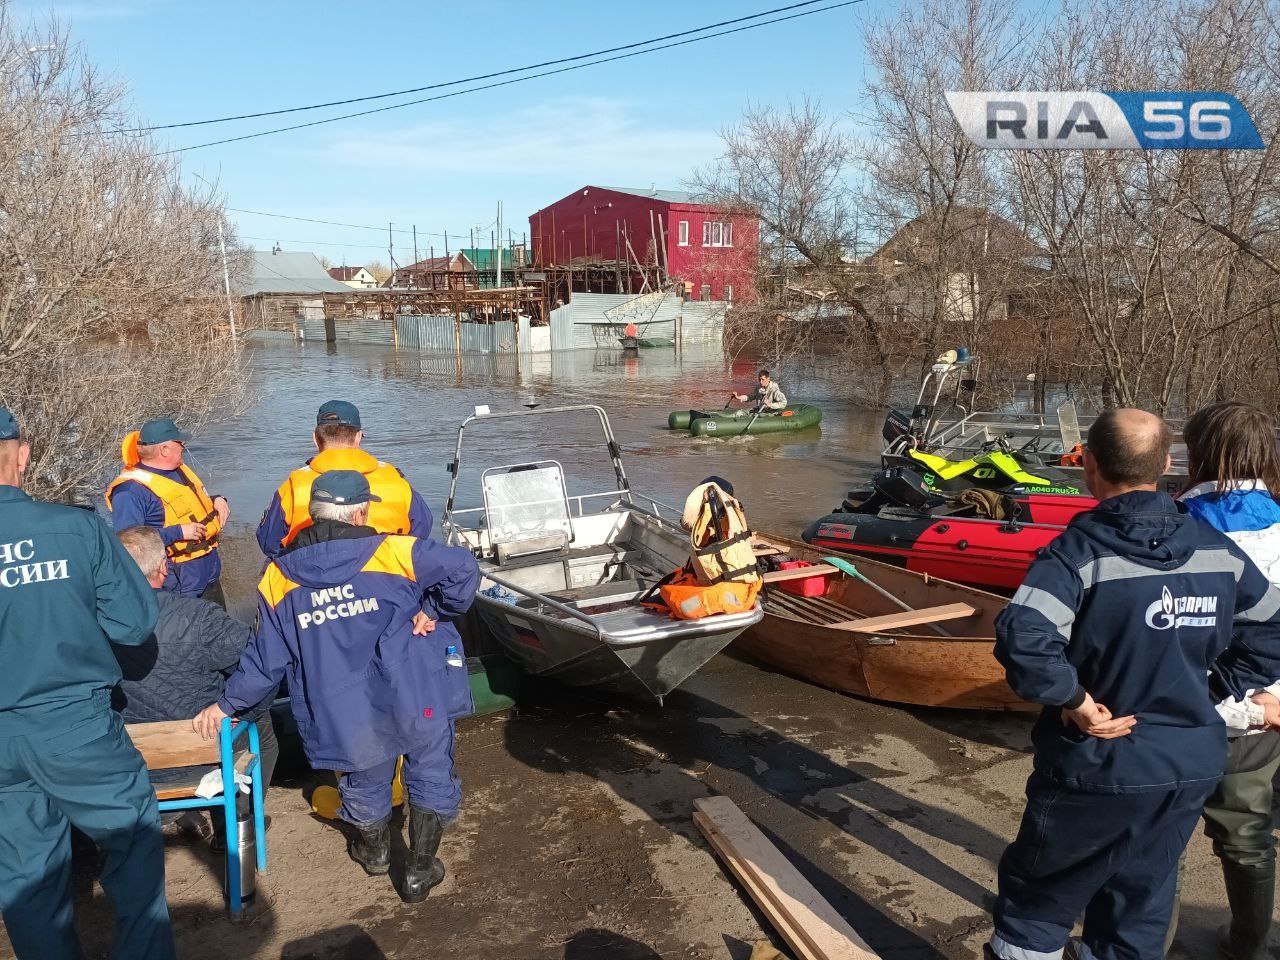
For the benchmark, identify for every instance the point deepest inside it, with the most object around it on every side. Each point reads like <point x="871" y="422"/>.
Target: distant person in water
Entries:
<point x="768" y="395"/>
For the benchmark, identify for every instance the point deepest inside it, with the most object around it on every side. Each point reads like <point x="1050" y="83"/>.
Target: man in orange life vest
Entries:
<point x="337" y="438"/>
<point x="156" y="489"/>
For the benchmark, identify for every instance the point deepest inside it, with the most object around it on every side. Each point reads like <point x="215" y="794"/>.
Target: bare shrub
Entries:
<point x="111" y="297"/>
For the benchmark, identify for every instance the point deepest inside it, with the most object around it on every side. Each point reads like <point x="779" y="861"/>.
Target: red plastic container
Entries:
<point x="814" y="586"/>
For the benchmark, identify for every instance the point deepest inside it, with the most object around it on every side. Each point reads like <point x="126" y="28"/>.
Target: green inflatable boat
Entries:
<point x="734" y="423"/>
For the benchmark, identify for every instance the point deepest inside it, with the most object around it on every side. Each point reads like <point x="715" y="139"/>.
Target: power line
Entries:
<point x="315" y="243"/>
<point x="483" y="76"/>
<point x="504" y="83"/>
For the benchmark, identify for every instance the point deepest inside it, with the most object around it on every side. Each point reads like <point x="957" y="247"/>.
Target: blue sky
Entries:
<point x="443" y="165"/>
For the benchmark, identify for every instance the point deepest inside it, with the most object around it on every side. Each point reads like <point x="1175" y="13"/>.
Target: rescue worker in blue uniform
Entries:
<point x="358" y="623"/>
<point x="67" y="592"/>
<point x="1122" y="628"/>
<point x="156" y="489"/>
<point x="338" y="436"/>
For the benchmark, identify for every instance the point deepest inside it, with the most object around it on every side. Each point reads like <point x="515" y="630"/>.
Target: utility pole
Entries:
<point x="415" y="243"/>
<point x="498" y="252"/>
<point x="391" y="254"/>
<point x="226" y="282"/>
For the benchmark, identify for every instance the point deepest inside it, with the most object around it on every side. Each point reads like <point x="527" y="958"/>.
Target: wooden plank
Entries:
<point x="171" y="743"/>
<point x="908" y="618"/>
<point x="821" y="926"/>
<point x="780" y="921"/>
<point x="799" y="573"/>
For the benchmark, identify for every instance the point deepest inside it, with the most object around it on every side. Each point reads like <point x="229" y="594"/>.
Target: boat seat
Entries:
<point x="617" y="553"/>
<point x="615" y="591"/>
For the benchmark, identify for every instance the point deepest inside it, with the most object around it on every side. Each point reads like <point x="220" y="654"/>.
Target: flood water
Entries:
<point x="412" y="403"/>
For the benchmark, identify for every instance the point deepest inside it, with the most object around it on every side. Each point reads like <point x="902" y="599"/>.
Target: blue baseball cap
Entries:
<point x="342" y="487"/>
<point x="8" y="426"/>
<point x="158" y="431"/>
<point x="338" y="412"/>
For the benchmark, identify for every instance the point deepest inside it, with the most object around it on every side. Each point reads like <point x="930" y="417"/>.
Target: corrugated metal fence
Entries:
<point x="578" y="325"/>
<point x="581" y="323"/>
<point x="441" y="334"/>
<point x="355" y="330"/>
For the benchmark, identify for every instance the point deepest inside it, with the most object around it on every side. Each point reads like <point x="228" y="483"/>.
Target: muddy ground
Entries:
<point x="576" y="839"/>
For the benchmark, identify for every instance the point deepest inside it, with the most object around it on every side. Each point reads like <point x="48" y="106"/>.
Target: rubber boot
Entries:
<point x="371" y="846"/>
<point x="422" y="869"/>
<point x="1251" y="892"/>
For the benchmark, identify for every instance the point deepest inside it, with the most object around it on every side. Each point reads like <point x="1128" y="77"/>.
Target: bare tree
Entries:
<point x="111" y="304"/>
<point x="381" y="272"/>
<point x="1162" y="256"/>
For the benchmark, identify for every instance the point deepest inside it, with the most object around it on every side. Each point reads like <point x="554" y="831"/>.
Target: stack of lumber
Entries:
<point x="809" y="924"/>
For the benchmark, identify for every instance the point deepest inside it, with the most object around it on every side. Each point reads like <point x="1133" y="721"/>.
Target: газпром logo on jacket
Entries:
<point x="1170" y="611"/>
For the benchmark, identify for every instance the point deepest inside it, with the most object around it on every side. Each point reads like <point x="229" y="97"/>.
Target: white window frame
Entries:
<point x="717" y="233"/>
<point x="728" y="293"/>
<point x="682" y="233"/>
<point x="704" y="293"/>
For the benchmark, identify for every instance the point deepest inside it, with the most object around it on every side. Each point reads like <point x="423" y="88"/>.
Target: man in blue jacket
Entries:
<point x="357" y="621"/>
<point x="67" y="592"/>
<point x="1116" y="630"/>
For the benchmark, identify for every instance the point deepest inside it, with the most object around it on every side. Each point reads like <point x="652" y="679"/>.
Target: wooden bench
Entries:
<point x="168" y="744"/>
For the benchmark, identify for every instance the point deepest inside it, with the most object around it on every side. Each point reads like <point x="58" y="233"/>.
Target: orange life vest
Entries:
<point x="187" y="502"/>
<point x="687" y="599"/>
<point x="391" y="515"/>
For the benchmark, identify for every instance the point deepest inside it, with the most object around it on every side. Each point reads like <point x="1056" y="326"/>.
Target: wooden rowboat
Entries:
<point x="854" y="639"/>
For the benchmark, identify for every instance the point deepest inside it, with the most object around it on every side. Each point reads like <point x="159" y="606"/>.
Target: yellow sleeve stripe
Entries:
<point x="274" y="585"/>
<point x="394" y="555"/>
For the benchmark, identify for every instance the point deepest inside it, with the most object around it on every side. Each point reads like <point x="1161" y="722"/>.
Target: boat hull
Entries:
<point x="984" y="553"/>
<point x="734" y="423"/>
<point x="648" y="667"/>
<point x="913" y="666"/>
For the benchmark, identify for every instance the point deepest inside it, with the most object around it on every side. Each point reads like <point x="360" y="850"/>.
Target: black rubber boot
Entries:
<point x="1251" y="891"/>
<point x="422" y="869"/>
<point x="371" y="846"/>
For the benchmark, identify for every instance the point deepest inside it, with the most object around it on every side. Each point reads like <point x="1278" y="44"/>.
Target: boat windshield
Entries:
<point x="527" y="502"/>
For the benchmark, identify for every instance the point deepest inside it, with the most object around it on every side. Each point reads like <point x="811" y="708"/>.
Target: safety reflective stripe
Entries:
<point x="1264" y="609"/>
<point x="1048" y="606"/>
<point x="1212" y="560"/>
<point x="1007" y="951"/>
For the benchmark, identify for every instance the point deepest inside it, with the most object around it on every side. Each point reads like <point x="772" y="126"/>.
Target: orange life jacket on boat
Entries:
<point x="187" y="502"/>
<point x="687" y="599"/>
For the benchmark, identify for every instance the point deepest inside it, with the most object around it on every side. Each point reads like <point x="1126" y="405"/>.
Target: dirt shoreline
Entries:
<point x="575" y="839"/>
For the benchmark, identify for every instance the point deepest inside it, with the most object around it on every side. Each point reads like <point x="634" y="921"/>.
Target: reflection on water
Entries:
<point x="412" y="403"/>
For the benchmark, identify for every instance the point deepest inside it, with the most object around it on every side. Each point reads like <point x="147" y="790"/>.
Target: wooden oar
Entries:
<point x="847" y="568"/>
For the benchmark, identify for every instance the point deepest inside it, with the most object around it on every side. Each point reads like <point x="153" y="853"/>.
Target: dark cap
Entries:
<point x="8" y="426"/>
<point x="342" y="487"/>
<point x="158" y="431"/>
<point x="338" y="412"/>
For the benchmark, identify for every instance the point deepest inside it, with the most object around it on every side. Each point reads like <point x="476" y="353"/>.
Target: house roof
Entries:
<point x="289" y="271"/>
<point x="666" y="196"/>
<point x="974" y="227"/>
<point x="344" y="273"/>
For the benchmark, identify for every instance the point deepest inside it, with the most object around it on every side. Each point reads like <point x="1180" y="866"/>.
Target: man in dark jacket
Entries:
<point x="67" y="592"/>
<point x="1116" y="629"/>
<point x="336" y="616"/>
<point x="184" y="664"/>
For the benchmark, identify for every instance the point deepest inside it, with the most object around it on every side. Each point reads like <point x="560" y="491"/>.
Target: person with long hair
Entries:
<point x="1233" y="485"/>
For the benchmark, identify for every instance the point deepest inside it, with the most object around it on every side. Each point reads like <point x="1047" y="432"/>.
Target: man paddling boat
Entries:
<point x="769" y="396"/>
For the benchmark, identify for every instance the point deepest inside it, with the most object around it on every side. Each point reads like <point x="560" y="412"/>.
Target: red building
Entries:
<point x="613" y="233"/>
